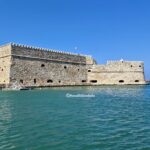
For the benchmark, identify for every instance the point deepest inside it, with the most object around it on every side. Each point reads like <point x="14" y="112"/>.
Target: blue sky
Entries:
<point x="106" y="29"/>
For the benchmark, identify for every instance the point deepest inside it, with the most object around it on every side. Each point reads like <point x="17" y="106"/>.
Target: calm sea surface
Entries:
<point x="117" y="118"/>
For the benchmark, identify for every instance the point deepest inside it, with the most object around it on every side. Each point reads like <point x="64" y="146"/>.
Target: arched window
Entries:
<point x="21" y="81"/>
<point x="93" y="81"/>
<point x="136" y="80"/>
<point x="121" y="81"/>
<point x="42" y="65"/>
<point x="49" y="81"/>
<point x="89" y="70"/>
<point x="34" y="81"/>
<point x="65" y="67"/>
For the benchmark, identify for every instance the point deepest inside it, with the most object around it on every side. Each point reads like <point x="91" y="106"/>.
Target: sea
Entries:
<point x="76" y="118"/>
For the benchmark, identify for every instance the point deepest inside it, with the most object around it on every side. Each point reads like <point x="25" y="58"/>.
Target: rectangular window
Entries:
<point x="93" y="81"/>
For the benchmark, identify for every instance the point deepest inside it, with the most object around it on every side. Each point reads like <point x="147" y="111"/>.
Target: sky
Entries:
<point x="105" y="29"/>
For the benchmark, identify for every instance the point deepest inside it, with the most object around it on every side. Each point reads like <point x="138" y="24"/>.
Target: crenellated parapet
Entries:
<point x="14" y="45"/>
<point x="31" y="52"/>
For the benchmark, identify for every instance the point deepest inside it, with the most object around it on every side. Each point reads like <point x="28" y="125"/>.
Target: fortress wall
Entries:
<point x="117" y="78"/>
<point x="36" y="72"/>
<point x="47" y="54"/>
<point x="119" y="66"/>
<point x="125" y="66"/>
<point x="117" y="73"/>
<point x="90" y="60"/>
<point x="5" y="62"/>
<point x="28" y="66"/>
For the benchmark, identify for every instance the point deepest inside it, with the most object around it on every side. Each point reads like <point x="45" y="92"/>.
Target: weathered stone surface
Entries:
<point x="47" y="54"/>
<point x="35" y="67"/>
<point x="5" y="62"/>
<point x="46" y="73"/>
<point x="118" y="72"/>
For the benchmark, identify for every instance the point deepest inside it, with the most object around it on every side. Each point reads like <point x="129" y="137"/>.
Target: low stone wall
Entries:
<point x="117" y="72"/>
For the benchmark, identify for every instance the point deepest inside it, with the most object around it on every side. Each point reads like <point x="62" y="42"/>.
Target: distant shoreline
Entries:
<point x="148" y="81"/>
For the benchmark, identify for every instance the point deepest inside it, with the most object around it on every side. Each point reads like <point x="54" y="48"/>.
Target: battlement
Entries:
<point x="109" y="62"/>
<point x="25" y="51"/>
<point x="14" y="45"/>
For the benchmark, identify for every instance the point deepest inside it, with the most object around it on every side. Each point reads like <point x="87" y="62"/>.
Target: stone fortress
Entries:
<point x="27" y="66"/>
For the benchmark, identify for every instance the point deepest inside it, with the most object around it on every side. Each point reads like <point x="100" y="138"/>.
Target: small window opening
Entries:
<point x="59" y="81"/>
<point x="49" y="81"/>
<point x="121" y="81"/>
<point x="131" y="66"/>
<point x="93" y="81"/>
<point x="89" y="70"/>
<point x="34" y="81"/>
<point x="42" y="65"/>
<point x="78" y="69"/>
<point x="65" y="67"/>
<point x="21" y="81"/>
<point x="140" y="66"/>
<point x="2" y="69"/>
<point x="136" y="80"/>
<point x="83" y="81"/>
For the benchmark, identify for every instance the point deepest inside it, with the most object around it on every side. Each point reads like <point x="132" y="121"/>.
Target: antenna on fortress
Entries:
<point x="121" y="60"/>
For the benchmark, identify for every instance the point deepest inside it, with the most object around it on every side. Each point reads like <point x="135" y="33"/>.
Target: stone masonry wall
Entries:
<point x="39" y="67"/>
<point x="28" y="66"/>
<point x="5" y="62"/>
<point x="38" y="73"/>
<point x="117" y="72"/>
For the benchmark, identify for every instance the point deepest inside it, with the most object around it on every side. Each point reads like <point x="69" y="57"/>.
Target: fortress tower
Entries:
<point x="28" y="66"/>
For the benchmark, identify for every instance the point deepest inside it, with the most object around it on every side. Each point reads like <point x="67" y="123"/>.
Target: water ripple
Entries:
<point x="117" y="118"/>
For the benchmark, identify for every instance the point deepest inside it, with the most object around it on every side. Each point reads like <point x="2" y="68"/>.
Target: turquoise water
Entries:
<point x="117" y="118"/>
